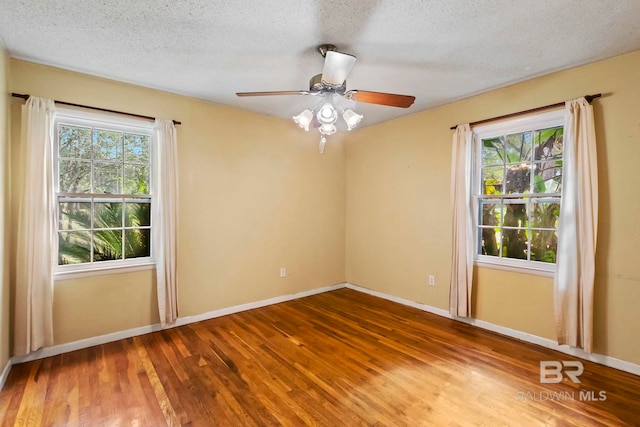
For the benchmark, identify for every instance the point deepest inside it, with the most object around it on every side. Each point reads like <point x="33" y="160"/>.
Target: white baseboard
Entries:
<point x="5" y="374"/>
<point x="55" y="350"/>
<point x="103" y="339"/>
<point x="250" y="306"/>
<point x="523" y="336"/>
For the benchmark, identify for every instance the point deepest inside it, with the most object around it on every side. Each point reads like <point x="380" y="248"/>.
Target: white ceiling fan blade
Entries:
<point x="337" y="66"/>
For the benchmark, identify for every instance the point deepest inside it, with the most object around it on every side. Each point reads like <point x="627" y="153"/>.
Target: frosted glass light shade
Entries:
<point x="351" y="118"/>
<point x="304" y="119"/>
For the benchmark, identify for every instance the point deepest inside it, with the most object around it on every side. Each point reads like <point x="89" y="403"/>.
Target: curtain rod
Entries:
<point x="589" y="98"/>
<point x="106" y="110"/>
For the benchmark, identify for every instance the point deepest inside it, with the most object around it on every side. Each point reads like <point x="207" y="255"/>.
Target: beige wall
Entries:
<point x="255" y="195"/>
<point x="4" y="209"/>
<point x="399" y="217"/>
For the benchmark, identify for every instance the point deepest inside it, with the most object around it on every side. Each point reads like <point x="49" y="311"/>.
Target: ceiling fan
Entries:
<point x="332" y="82"/>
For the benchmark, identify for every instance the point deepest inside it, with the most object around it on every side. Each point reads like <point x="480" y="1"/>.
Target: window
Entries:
<point x="103" y="186"/>
<point x="518" y="188"/>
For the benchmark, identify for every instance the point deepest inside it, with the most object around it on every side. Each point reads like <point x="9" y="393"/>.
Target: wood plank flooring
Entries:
<point x="340" y="358"/>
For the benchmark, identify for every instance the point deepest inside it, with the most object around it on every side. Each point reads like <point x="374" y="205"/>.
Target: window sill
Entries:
<point x="527" y="267"/>
<point x="102" y="271"/>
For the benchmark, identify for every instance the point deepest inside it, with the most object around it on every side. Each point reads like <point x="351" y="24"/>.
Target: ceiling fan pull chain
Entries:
<point x="321" y="146"/>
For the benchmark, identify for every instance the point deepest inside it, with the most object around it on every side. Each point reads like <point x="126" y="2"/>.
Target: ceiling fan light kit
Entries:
<point x="331" y="83"/>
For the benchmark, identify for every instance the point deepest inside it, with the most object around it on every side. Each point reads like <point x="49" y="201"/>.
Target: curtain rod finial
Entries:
<point x="590" y="98"/>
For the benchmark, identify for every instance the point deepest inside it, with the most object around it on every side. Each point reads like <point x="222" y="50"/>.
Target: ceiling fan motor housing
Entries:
<point x="316" y="85"/>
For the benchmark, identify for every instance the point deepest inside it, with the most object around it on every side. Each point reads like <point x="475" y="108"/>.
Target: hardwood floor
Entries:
<point x="337" y="359"/>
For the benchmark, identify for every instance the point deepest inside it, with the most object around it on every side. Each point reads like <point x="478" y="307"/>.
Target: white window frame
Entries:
<point x="543" y="120"/>
<point x="105" y="121"/>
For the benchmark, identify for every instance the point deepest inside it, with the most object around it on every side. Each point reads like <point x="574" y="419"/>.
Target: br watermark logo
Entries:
<point x="555" y="372"/>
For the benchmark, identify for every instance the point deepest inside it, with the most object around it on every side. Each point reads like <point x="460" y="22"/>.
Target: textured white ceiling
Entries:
<point x="436" y="50"/>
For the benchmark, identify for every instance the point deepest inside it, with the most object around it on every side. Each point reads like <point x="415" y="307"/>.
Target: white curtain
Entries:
<point x="575" y="262"/>
<point x="164" y="210"/>
<point x="462" y="207"/>
<point x="35" y="251"/>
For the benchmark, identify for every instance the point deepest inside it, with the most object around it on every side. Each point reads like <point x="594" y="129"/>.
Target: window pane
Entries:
<point x="515" y="240"/>
<point x="136" y="179"/>
<point x="107" y="214"/>
<point x="492" y="151"/>
<point x="136" y="148"/>
<point x="137" y="215"/>
<point x="107" y="245"/>
<point x="548" y="177"/>
<point x="490" y="232"/>
<point x="137" y="243"/>
<point x="75" y="215"/>
<point x="107" y="145"/>
<point x="544" y="245"/>
<point x="75" y="176"/>
<point x="514" y="243"/>
<point x="74" y="142"/>
<point x="549" y="143"/>
<point x="74" y="247"/>
<point x="490" y="241"/>
<point x="518" y="180"/>
<point x="518" y="147"/>
<point x="107" y="177"/>
<point x="491" y="214"/>
<point x="515" y="214"/>
<point x="545" y="215"/>
<point x="492" y="180"/>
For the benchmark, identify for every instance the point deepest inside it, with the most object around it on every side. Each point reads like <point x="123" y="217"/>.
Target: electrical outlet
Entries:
<point x="432" y="280"/>
<point x="283" y="272"/>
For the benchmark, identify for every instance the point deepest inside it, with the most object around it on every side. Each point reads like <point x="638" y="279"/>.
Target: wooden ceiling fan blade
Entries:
<point x="279" y="92"/>
<point x="337" y="66"/>
<point x="381" y="98"/>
